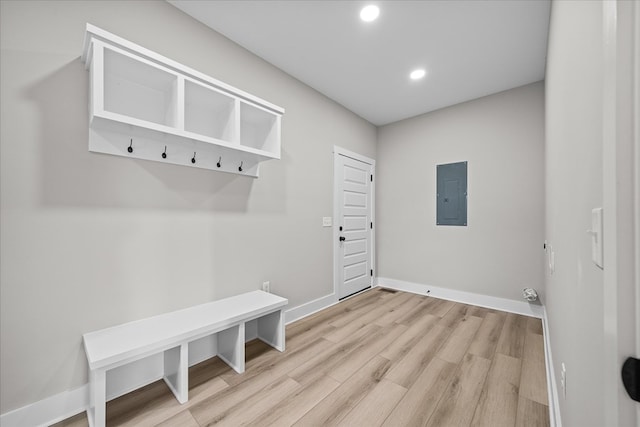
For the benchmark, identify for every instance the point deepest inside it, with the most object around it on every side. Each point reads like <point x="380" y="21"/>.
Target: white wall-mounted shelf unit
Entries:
<point x="146" y="106"/>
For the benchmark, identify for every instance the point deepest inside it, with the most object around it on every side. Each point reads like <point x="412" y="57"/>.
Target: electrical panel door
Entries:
<point x="451" y="194"/>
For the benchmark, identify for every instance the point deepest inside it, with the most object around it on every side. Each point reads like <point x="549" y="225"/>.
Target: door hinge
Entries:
<point x="372" y="226"/>
<point x="371" y="178"/>
<point x="372" y="272"/>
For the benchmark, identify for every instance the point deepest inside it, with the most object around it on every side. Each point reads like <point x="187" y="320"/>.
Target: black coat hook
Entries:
<point x="130" y="149"/>
<point x="164" y="155"/>
<point x="193" y="159"/>
<point x="240" y="168"/>
<point x="219" y="162"/>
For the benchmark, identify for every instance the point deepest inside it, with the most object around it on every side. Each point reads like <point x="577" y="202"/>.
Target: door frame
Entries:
<point x="636" y="134"/>
<point x="339" y="151"/>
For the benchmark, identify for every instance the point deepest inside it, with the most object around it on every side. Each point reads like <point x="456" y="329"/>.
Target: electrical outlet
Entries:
<point x="266" y="286"/>
<point x="563" y="380"/>
<point x="596" y="236"/>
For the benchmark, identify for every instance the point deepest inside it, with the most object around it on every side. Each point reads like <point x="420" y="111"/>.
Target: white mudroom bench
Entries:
<point x="171" y="334"/>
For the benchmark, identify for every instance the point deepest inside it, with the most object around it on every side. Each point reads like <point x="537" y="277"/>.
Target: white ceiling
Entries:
<point x="470" y="48"/>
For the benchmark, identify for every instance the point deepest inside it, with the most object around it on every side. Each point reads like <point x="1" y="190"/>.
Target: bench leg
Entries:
<point x="176" y="371"/>
<point x="97" y="411"/>
<point x="231" y="347"/>
<point x="271" y="329"/>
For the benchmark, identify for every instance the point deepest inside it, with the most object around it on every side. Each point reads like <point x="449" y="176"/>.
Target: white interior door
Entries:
<point x="354" y="223"/>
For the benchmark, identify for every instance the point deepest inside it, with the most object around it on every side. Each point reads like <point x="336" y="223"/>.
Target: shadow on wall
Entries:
<point x="73" y="176"/>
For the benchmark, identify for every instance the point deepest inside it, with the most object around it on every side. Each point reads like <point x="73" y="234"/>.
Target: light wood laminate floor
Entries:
<point x="381" y="358"/>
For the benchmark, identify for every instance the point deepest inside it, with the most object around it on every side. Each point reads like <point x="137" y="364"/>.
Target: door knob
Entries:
<point x="631" y="377"/>
<point x="342" y="239"/>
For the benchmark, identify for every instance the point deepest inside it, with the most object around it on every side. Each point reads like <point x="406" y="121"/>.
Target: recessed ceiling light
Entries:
<point x="369" y="13"/>
<point x="418" y="74"/>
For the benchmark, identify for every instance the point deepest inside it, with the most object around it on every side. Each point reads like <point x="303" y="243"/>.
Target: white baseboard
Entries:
<point x="503" y="304"/>
<point x="50" y="410"/>
<point x="309" y="308"/>
<point x="552" y="387"/>
<point x="66" y="404"/>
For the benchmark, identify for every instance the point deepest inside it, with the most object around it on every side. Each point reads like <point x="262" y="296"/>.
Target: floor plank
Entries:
<point x="182" y="419"/>
<point x="511" y="342"/>
<point x="429" y="305"/>
<point x="479" y="311"/>
<point x="332" y="409"/>
<point x="286" y="413"/>
<point x="396" y="312"/>
<point x="499" y="399"/>
<point x="405" y="342"/>
<point x="406" y="370"/>
<point x="375" y="406"/>
<point x="251" y="407"/>
<point x="458" y="403"/>
<point x="485" y="342"/>
<point x="277" y="366"/>
<point x="418" y="404"/>
<point x="358" y="305"/>
<point x="534" y="325"/>
<point x="324" y="361"/>
<point x="367" y="318"/>
<point x="531" y="413"/>
<point x="533" y="382"/>
<point x="456" y="346"/>
<point x="79" y="420"/>
<point x="457" y="314"/>
<point x="365" y="352"/>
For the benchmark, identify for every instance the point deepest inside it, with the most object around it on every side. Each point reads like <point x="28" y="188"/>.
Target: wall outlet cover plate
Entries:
<point x="596" y="237"/>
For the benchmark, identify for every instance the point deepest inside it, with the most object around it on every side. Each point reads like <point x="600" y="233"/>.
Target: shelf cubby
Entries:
<point x="258" y="128"/>
<point x="136" y="89"/>
<point x="209" y="112"/>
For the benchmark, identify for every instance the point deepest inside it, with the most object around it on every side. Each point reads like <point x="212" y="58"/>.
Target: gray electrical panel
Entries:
<point x="451" y="194"/>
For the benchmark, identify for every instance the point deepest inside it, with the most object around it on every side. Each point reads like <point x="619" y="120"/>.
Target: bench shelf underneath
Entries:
<point x="171" y="334"/>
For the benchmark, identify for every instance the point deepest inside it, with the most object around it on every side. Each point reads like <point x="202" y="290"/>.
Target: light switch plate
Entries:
<point x="596" y="236"/>
<point x="326" y="221"/>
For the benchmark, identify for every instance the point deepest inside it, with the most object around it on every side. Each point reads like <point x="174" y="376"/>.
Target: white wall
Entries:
<point x="500" y="251"/>
<point x="574" y="112"/>
<point x="90" y="240"/>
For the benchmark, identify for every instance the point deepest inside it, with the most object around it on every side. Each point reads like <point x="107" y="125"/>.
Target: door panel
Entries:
<point x="355" y="174"/>
<point x="354" y="223"/>
<point x="355" y="247"/>
<point x="352" y="199"/>
<point x="355" y="271"/>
